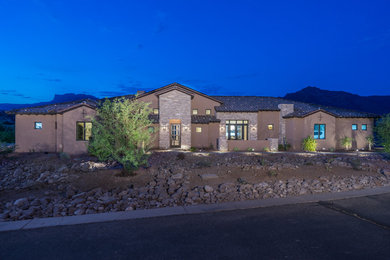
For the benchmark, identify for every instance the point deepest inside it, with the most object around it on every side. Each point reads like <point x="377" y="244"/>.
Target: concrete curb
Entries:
<point x="184" y="210"/>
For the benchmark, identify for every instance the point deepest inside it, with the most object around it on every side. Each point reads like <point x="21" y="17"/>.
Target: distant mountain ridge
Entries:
<point x="374" y="104"/>
<point x="57" y="99"/>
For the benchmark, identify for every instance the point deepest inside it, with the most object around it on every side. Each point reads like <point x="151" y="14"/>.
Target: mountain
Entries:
<point x="373" y="104"/>
<point x="57" y="99"/>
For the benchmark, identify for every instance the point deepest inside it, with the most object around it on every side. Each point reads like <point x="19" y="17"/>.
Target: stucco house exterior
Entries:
<point x="184" y="118"/>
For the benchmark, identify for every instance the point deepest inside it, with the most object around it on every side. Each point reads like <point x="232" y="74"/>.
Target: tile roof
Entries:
<point x="55" y="108"/>
<point x="254" y="104"/>
<point x="200" y="119"/>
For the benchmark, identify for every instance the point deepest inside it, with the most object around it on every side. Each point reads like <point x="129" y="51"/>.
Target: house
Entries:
<point x="184" y="118"/>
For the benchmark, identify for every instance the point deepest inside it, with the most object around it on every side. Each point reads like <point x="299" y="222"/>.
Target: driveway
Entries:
<point x="356" y="228"/>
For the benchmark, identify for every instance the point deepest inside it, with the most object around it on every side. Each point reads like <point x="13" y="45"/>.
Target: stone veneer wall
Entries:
<point x="175" y="105"/>
<point x="284" y="110"/>
<point x="223" y="116"/>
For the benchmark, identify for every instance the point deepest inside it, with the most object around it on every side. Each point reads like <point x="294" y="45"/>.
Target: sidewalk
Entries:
<point x="184" y="210"/>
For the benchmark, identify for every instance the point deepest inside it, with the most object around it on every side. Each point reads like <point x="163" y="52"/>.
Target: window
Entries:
<point x="208" y="111"/>
<point x="237" y="129"/>
<point x="198" y="129"/>
<point x="151" y="129"/>
<point x="194" y="111"/>
<point x="155" y="111"/>
<point x="83" y="131"/>
<point x="364" y="127"/>
<point x="319" y="131"/>
<point x="270" y="127"/>
<point x="354" y="127"/>
<point x="38" y="125"/>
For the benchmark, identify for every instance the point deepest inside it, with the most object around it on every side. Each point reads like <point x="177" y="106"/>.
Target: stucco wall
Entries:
<point x="152" y="99"/>
<point x="344" y="129"/>
<point x="265" y="118"/>
<point x="28" y="139"/>
<point x="202" y="103"/>
<point x="200" y="140"/>
<point x="70" y="145"/>
<point x="252" y="125"/>
<point x="175" y="105"/>
<point x="244" y="145"/>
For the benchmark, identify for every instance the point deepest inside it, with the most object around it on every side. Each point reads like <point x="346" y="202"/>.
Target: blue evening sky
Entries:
<point x="269" y="48"/>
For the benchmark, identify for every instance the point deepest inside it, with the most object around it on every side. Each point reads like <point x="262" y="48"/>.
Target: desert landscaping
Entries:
<point x="50" y="185"/>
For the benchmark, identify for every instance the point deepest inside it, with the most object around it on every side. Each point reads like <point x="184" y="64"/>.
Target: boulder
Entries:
<point x="208" y="189"/>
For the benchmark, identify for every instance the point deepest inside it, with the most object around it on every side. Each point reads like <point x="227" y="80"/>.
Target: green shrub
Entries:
<point x="284" y="147"/>
<point x="120" y="133"/>
<point x="356" y="164"/>
<point x="309" y="144"/>
<point x="235" y="149"/>
<point x="192" y="149"/>
<point x="347" y="142"/>
<point x="272" y="173"/>
<point x="266" y="149"/>
<point x="370" y="142"/>
<point x="7" y="134"/>
<point x="383" y="131"/>
<point x="250" y="149"/>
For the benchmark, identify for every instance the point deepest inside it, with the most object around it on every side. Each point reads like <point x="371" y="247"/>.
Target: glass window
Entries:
<point x="354" y="127"/>
<point x="83" y="131"/>
<point x="199" y="129"/>
<point x="319" y="131"/>
<point x="364" y="127"/>
<point x="237" y="129"/>
<point x="38" y="125"/>
<point x="155" y="111"/>
<point x="208" y="111"/>
<point x="194" y="111"/>
<point x="270" y="127"/>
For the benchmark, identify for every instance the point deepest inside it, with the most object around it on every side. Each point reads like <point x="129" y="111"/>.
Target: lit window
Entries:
<point x="319" y="131"/>
<point x="151" y="129"/>
<point x="208" y="111"/>
<point x="364" y="127"/>
<point x="83" y="131"/>
<point x="237" y="129"/>
<point x="194" y="111"/>
<point x="199" y="129"/>
<point x="38" y="125"/>
<point x="270" y="127"/>
<point x="155" y="111"/>
<point x="354" y="127"/>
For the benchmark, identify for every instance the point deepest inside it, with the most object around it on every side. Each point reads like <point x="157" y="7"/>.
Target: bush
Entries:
<point x="250" y="149"/>
<point x="7" y="134"/>
<point x="284" y="147"/>
<point x="370" y="142"/>
<point x="267" y="150"/>
<point x="356" y="164"/>
<point x="235" y="149"/>
<point x="120" y="133"/>
<point x="383" y="131"/>
<point x="346" y="142"/>
<point x="192" y="149"/>
<point x="309" y="144"/>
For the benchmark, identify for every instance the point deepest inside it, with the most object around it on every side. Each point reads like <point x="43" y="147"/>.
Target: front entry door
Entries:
<point x="175" y="135"/>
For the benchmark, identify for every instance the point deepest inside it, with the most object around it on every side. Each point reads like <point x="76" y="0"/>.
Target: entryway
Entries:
<point x="175" y="135"/>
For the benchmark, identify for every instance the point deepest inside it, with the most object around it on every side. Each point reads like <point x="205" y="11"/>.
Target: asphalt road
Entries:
<point x="347" y="229"/>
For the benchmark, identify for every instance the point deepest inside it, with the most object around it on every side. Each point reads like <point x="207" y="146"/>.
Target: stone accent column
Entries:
<point x="285" y="109"/>
<point x="273" y="144"/>
<point x="175" y="105"/>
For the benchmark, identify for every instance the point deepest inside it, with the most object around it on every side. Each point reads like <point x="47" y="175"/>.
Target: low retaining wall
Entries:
<point x="244" y="145"/>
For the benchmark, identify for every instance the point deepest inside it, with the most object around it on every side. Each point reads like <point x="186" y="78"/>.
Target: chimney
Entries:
<point x="140" y="92"/>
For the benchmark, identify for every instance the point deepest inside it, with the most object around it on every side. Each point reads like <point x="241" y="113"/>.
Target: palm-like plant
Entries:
<point x="346" y="142"/>
<point x="370" y="142"/>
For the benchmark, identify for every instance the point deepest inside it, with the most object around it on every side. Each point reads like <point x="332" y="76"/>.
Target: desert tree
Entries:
<point x="121" y="132"/>
<point x="382" y="130"/>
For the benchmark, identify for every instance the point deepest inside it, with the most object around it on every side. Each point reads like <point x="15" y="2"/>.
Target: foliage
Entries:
<point x="193" y="149"/>
<point x="272" y="173"/>
<point x="120" y="132"/>
<point x="267" y="150"/>
<point x="6" y="148"/>
<point x="346" y="142"/>
<point x="7" y="133"/>
<point x="235" y="149"/>
<point x="284" y="147"/>
<point x="370" y="142"/>
<point x="250" y="149"/>
<point x="383" y="131"/>
<point x="309" y="144"/>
